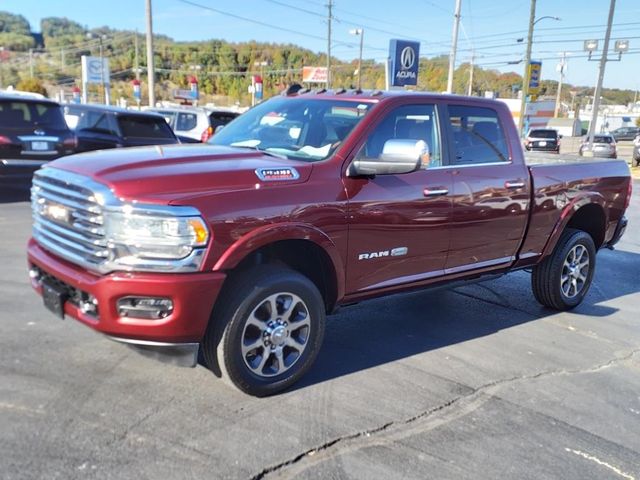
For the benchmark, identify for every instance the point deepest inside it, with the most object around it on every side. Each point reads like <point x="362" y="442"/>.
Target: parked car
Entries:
<point x="543" y="140"/>
<point x="309" y="201"/>
<point x="98" y="127"/>
<point x="636" y="151"/>
<point x="604" y="145"/>
<point x="32" y="132"/>
<point x="198" y="123"/>
<point x="625" y="133"/>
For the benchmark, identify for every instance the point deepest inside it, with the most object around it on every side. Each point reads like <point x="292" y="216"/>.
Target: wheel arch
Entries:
<point x="301" y="247"/>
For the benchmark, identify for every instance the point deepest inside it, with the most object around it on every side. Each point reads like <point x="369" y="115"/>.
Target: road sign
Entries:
<point x="405" y="58"/>
<point x="535" y="69"/>
<point x="91" y="71"/>
<point x="314" y="74"/>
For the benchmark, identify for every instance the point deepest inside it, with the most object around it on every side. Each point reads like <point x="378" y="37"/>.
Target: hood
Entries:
<point x="160" y="174"/>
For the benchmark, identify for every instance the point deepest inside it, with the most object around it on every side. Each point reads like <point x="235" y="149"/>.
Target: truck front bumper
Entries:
<point x="174" y="338"/>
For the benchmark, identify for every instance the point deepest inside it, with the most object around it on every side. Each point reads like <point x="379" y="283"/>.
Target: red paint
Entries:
<point x="481" y="225"/>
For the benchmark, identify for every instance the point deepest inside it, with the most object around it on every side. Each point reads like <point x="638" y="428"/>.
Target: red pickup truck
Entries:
<point x="240" y="248"/>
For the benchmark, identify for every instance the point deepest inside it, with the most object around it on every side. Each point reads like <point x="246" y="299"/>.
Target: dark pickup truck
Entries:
<point x="240" y="248"/>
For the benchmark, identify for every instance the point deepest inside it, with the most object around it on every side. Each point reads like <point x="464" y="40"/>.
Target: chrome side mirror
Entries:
<point x="398" y="156"/>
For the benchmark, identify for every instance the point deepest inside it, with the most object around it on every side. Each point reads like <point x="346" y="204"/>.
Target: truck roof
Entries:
<point x="376" y="95"/>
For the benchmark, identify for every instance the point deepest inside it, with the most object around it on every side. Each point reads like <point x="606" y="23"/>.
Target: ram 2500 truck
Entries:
<point x="240" y="248"/>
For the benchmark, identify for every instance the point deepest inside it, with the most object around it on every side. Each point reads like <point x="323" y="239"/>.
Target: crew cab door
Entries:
<point x="490" y="191"/>
<point x="399" y="224"/>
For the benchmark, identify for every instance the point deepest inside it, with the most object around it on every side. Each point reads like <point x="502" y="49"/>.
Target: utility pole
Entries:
<point x="329" y="18"/>
<point x="31" y="63"/>
<point x="150" y="69"/>
<point x="527" y="59"/>
<point x="563" y="63"/>
<point x="454" y="46"/>
<point x="603" y="63"/>
<point x="470" y="89"/>
<point x="136" y="60"/>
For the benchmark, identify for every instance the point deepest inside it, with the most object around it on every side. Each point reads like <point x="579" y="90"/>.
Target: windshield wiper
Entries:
<point x="258" y="149"/>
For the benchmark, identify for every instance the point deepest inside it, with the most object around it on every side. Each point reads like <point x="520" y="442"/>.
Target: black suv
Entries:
<point x="543" y="140"/>
<point x="32" y="132"/>
<point x="99" y="127"/>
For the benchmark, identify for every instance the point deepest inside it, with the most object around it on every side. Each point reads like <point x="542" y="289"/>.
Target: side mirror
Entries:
<point x="398" y="156"/>
<point x="560" y="136"/>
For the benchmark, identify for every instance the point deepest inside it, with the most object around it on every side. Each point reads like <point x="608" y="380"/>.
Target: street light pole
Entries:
<point x="527" y="59"/>
<point x="150" y="68"/>
<point x="360" y="32"/>
<point x="603" y="63"/>
<point x="454" y="46"/>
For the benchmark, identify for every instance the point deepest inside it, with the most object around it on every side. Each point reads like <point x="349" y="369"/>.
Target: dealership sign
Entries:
<point x="314" y="74"/>
<point x="95" y="70"/>
<point x="405" y="58"/>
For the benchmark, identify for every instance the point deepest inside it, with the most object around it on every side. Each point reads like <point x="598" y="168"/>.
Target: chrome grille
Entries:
<point x="68" y="217"/>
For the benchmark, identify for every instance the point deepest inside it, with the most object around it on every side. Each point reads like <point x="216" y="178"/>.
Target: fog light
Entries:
<point x="34" y="274"/>
<point x="89" y="305"/>
<point x="151" y="308"/>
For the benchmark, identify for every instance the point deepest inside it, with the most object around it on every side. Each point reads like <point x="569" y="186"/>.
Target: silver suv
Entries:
<point x="196" y="123"/>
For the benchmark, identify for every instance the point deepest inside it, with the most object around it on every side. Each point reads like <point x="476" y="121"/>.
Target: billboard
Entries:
<point x="314" y="74"/>
<point x="405" y="58"/>
<point x="91" y="71"/>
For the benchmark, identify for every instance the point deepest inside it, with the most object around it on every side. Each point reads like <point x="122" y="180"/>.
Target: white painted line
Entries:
<point x="600" y="462"/>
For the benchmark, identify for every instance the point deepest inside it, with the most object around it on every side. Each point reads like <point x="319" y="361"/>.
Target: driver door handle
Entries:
<point x="435" y="192"/>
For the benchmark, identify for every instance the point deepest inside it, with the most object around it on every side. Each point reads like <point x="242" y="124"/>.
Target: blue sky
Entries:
<point x="490" y="28"/>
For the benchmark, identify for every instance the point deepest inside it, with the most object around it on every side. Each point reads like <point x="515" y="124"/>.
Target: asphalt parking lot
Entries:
<point x="477" y="382"/>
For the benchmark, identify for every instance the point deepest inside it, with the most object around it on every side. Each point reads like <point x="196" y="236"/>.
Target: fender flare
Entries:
<point x="587" y="198"/>
<point x="273" y="233"/>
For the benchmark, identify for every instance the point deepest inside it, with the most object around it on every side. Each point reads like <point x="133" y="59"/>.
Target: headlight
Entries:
<point x="134" y="236"/>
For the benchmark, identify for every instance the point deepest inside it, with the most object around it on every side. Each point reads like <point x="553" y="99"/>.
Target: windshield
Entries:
<point x="543" y="134"/>
<point x="297" y="128"/>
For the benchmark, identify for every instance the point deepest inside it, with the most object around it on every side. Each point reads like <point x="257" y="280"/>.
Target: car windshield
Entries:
<point x="297" y="128"/>
<point x="543" y="134"/>
<point x="20" y="114"/>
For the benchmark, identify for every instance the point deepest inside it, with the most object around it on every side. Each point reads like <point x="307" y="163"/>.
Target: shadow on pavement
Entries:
<point x="393" y="328"/>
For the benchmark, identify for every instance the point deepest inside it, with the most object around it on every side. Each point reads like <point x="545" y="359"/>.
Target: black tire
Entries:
<point x="547" y="277"/>
<point x="252" y="294"/>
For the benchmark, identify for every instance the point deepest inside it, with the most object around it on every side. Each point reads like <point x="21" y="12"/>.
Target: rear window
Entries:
<point x="221" y="118"/>
<point x="602" y="139"/>
<point x="544" y="134"/>
<point x="16" y="114"/>
<point x="186" y="121"/>
<point x="144" y="127"/>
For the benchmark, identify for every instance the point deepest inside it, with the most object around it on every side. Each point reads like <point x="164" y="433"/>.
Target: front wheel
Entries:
<point x="562" y="280"/>
<point x="268" y="331"/>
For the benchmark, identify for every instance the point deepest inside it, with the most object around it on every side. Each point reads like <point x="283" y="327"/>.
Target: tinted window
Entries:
<point x="97" y="121"/>
<point x="477" y="135"/>
<point x="27" y="114"/>
<point x="602" y="139"/>
<point x="144" y="127"/>
<point x="221" y="118"/>
<point x="552" y="134"/>
<point x="186" y="121"/>
<point x="413" y="122"/>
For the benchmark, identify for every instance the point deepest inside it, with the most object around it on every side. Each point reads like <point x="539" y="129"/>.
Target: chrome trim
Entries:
<point x="38" y="138"/>
<point x="83" y="240"/>
<point x="474" y="266"/>
<point x="514" y="185"/>
<point x="261" y="174"/>
<point x="23" y="163"/>
<point x="467" y="165"/>
<point x="39" y="152"/>
<point x="179" y="354"/>
<point x="434" y="193"/>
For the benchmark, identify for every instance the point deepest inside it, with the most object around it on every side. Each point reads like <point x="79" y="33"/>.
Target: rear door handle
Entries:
<point x="514" y="184"/>
<point x="435" y="192"/>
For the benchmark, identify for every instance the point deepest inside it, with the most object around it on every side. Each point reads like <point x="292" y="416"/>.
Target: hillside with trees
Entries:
<point x="223" y="69"/>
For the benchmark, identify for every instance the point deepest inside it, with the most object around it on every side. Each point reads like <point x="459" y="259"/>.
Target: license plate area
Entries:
<point x="40" y="146"/>
<point x="54" y="298"/>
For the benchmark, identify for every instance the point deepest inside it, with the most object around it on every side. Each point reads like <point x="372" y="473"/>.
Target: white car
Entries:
<point x="196" y="123"/>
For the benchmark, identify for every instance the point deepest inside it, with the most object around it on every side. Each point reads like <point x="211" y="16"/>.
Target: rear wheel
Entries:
<point x="562" y="280"/>
<point x="268" y="332"/>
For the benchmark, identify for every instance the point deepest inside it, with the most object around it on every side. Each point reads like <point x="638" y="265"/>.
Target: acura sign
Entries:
<point x="405" y="57"/>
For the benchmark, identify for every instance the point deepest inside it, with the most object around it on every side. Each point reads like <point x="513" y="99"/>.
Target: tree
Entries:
<point x="31" y="85"/>
<point x="638" y="122"/>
